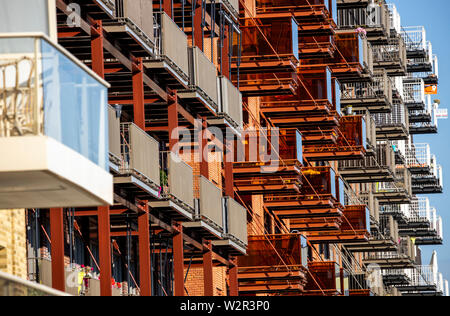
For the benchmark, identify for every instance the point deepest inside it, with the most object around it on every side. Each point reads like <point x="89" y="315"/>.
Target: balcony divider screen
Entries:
<point x="114" y="133"/>
<point x="237" y="218"/>
<point x="139" y="12"/>
<point x="211" y="202"/>
<point x="181" y="180"/>
<point x="204" y="74"/>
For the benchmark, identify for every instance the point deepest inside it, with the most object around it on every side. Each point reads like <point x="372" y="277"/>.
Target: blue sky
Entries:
<point x="433" y="14"/>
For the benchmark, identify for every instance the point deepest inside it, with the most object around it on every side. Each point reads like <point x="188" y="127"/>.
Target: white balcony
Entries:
<point x="53" y="127"/>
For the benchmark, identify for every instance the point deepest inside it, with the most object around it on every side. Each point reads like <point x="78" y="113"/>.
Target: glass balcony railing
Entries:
<point x="13" y="286"/>
<point x="46" y="91"/>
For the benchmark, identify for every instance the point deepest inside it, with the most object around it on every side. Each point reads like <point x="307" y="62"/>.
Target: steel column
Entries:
<point x="202" y="145"/>
<point x="229" y="175"/>
<point x="198" y="24"/>
<point x="208" y="270"/>
<point x="144" y="253"/>
<point x="178" y="259"/>
<point x="98" y="64"/>
<point x="57" y="249"/>
<point x="104" y="240"/>
<point x="168" y="7"/>
<point x="233" y="279"/>
<point x="173" y="119"/>
<point x="138" y="93"/>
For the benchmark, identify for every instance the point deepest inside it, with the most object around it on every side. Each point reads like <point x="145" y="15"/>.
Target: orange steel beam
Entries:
<point x="208" y="278"/>
<point x="198" y="23"/>
<point x="138" y="93"/>
<point x="57" y="249"/>
<point x="98" y="64"/>
<point x="144" y="253"/>
<point x="173" y="119"/>
<point x="178" y="259"/>
<point x="104" y="240"/>
<point x="168" y="7"/>
<point x="233" y="278"/>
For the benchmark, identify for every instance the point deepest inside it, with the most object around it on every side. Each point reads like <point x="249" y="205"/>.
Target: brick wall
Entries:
<point x="194" y="282"/>
<point x="13" y="254"/>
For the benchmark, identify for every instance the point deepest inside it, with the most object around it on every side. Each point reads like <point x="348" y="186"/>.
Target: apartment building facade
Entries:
<point x="218" y="148"/>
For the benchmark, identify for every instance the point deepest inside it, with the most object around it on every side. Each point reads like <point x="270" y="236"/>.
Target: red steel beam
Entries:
<point x="178" y="260"/>
<point x="57" y="249"/>
<point x="233" y="279"/>
<point x="173" y="118"/>
<point x="98" y="64"/>
<point x="104" y="240"/>
<point x="208" y="273"/>
<point x="198" y="24"/>
<point x="168" y="7"/>
<point x="138" y="93"/>
<point x="144" y="253"/>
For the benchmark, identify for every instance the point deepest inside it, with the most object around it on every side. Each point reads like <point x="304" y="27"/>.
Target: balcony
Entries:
<point x="14" y="286"/>
<point x="282" y="176"/>
<point x="376" y="96"/>
<point x="235" y="235"/>
<point x="351" y="141"/>
<point x="140" y="172"/>
<point x="401" y="259"/>
<point x="415" y="41"/>
<point x="267" y="66"/>
<point x="209" y="221"/>
<point x="128" y="22"/>
<point x="324" y="279"/>
<point x="202" y="94"/>
<point x="275" y="264"/>
<point x="391" y="56"/>
<point x="379" y="168"/>
<point x="428" y="182"/>
<point x="321" y="196"/>
<point x="354" y="227"/>
<point x="395" y="277"/>
<point x="394" y="125"/>
<point x="54" y="128"/>
<point x="422" y="223"/>
<point x="424" y="121"/>
<point x="355" y="59"/>
<point x="425" y="281"/>
<point x="373" y="17"/>
<point x="230" y="111"/>
<point x="171" y="60"/>
<point x="177" y="189"/>
<point x="414" y="93"/>
<point x="398" y="192"/>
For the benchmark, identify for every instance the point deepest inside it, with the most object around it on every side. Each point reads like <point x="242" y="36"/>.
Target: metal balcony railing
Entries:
<point x="394" y="52"/>
<point x="372" y="16"/>
<point x="423" y="276"/>
<point x="384" y="158"/>
<point x="420" y="211"/>
<point x="415" y="38"/>
<point x="395" y="18"/>
<point x="418" y="156"/>
<point x="44" y="90"/>
<point x="401" y="185"/>
<point x="140" y="154"/>
<point x="171" y="44"/>
<point x="115" y="151"/>
<point x="380" y="88"/>
<point x="397" y="117"/>
<point x="414" y="91"/>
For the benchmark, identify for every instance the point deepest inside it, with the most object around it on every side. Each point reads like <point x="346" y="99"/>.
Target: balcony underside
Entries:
<point x="421" y="130"/>
<point x="371" y="245"/>
<point x="322" y="51"/>
<point x="346" y="73"/>
<point x="393" y="132"/>
<point x="427" y="189"/>
<point x="199" y="102"/>
<point x="263" y="88"/>
<point x="52" y="176"/>
<point x="373" y="105"/>
<point x="393" y="68"/>
<point x="137" y="185"/>
<point x="419" y="290"/>
<point x="204" y="228"/>
<point x="168" y="72"/>
<point x="230" y="246"/>
<point x="341" y="237"/>
<point x="265" y="187"/>
<point x="420" y="118"/>
<point x="270" y="66"/>
<point x="339" y="153"/>
<point x="173" y="208"/>
<point x="366" y="174"/>
<point x="396" y="280"/>
<point x="394" y="263"/>
<point x="393" y="197"/>
<point x="415" y="106"/>
<point x="416" y="53"/>
<point x="420" y="67"/>
<point x="272" y="280"/>
<point x="427" y="241"/>
<point x="316" y="224"/>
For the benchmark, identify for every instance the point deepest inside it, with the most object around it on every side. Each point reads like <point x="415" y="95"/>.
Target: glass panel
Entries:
<point x="75" y="106"/>
<point x="22" y="16"/>
<point x="361" y="50"/>
<point x="364" y="132"/>
<point x="295" y="39"/>
<point x="341" y="191"/>
<point x="329" y="90"/>
<point x="333" y="182"/>
<point x="299" y="147"/>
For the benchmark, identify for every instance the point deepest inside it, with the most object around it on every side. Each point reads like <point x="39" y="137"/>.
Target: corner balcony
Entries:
<point x="394" y="125"/>
<point x="379" y="168"/>
<point x="391" y="57"/>
<point x="53" y="128"/>
<point x="376" y="96"/>
<point x="355" y="59"/>
<point x="401" y="259"/>
<point x="321" y="196"/>
<point x="275" y="264"/>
